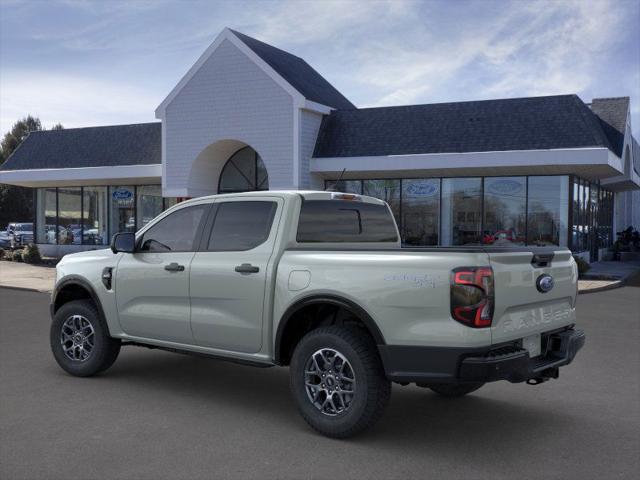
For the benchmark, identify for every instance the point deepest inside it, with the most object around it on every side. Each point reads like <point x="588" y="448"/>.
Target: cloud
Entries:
<point x="71" y="100"/>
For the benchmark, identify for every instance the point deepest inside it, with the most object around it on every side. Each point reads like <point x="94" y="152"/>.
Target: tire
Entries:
<point x="357" y="359"/>
<point x="82" y="316"/>
<point x="453" y="390"/>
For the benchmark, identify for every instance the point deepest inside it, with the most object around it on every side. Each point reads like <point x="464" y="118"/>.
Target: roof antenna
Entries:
<point x="333" y="188"/>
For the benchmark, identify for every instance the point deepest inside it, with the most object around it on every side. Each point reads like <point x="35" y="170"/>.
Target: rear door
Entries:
<point x="524" y="304"/>
<point x="228" y="275"/>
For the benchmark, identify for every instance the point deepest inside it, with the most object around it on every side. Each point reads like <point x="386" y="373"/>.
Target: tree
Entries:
<point x="16" y="203"/>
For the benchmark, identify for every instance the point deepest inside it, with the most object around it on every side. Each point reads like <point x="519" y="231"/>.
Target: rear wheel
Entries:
<point x="80" y="340"/>
<point x="453" y="390"/>
<point x="338" y="382"/>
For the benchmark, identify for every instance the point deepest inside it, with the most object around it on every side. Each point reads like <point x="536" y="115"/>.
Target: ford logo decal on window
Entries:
<point x="544" y="283"/>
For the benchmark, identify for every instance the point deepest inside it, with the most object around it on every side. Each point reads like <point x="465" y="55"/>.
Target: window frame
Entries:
<point x="197" y="241"/>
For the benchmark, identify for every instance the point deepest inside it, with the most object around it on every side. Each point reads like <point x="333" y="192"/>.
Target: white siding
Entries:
<point x="309" y="126"/>
<point x="229" y="98"/>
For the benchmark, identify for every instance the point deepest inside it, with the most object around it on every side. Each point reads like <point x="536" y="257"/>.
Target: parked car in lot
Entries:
<point x="4" y="239"/>
<point x="19" y="234"/>
<point x="317" y="281"/>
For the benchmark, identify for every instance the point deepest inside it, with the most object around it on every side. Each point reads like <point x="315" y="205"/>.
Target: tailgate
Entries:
<point x="521" y="308"/>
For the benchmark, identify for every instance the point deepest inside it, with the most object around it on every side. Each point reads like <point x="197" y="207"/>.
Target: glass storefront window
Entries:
<point x="149" y="203"/>
<point x="70" y="216"/>
<point x="169" y="202"/>
<point x="548" y="210"/>
<point x="122" y="217"/>
<point x="461" y="211"/>
<point x="421" y="211"/>
<point x="504" y="211"/>
<point x="94" y="216"/>
<point x="346" y="186"/>
<point x="46" y="215"/>
<point x="387" y="190"/>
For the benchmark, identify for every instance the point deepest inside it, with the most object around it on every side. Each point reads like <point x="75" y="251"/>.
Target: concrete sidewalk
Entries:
<point x="607" y="275"/>
<point x="27" y="277"/>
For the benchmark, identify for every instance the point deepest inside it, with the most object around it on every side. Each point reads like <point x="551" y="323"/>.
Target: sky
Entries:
<point x="86" y="63"/>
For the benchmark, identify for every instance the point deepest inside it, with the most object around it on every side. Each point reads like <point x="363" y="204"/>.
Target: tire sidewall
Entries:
<point x="93" y="364"/>
<point x="343" y="421"/>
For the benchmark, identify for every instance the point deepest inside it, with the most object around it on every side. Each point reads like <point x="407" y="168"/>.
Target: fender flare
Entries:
<point x="82" y="282"/>
<point x="335" y="300"/>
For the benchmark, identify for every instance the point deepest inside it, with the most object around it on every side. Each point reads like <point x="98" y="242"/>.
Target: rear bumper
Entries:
<point x="409" y="364"/>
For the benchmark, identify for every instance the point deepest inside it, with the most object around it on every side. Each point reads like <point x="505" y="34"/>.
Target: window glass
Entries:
<point x="346" y="186"/>
<point x="46" y="215"/>
<point x="122" y="200"/>
<point x="149" y="206"/>
<point x="169" y="202"/>
<point x="461" y="211"/>
<point x="244" y="171"/>
<point x="94" y="216"/>
<point x="421" y="211"/>
<point x="69" y="216"/>
<point x="387" y="190"/>
<point x="241" y="225"/>
<point x="504" y="211"/>
<point x="345" y="221"/>
<point x="548" y="210"/>
<point x="174" y="233"/>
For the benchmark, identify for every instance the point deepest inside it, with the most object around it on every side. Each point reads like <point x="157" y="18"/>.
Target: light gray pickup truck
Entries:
<point x="318" y="281"/>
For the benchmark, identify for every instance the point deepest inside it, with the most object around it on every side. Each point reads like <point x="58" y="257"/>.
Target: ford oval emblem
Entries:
<point x="544" y="283"/>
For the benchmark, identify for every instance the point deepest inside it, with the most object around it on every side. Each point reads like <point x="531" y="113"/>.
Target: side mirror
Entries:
<point x="123" y="242"/>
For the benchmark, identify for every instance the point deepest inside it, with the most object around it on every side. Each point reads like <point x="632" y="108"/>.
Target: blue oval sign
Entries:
<point x="505" y="187"/>
<point x="544" y="283"/>
<point x="424" y="189"/>
<point x="122" y="194"/>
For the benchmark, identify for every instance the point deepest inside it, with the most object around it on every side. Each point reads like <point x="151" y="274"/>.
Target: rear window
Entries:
<point x="345" y="221"/>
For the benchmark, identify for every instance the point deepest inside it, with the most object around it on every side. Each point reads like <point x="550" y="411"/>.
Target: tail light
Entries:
<point x="472" y="297"/>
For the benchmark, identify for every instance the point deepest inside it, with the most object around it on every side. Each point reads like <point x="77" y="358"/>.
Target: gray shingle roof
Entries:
<point x="562" y="121"/>
<point x="612" y="113"/>
<point x="298" y="73"/>
<point x="138" y="144"/>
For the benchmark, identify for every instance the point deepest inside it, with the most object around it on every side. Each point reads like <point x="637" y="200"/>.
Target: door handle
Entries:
<point x="247" y="268"/>
<point x="174" y="267"/>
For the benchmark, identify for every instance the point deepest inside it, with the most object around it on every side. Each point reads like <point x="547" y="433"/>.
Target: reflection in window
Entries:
<point x="94" y="216"/>
<point x="174" y="233"/>
<point x="122" y="200"/>
<point x="420" y="211"/>
<point x="149" y="203"/>
<point x="46" y="215"/>
<point x="387" y="190"/>
<point x="504" y="211"/>
<point x="244" y="172"/>
<point x="346" y="186"/>
<point x="461" y="211"/>
<point x="548" y="210"/>
<point x="69" y="216"/>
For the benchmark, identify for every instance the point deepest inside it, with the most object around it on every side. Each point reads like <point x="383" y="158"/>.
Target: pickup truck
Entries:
<point x="319" y="282"/>
<point x="19" y="234"/>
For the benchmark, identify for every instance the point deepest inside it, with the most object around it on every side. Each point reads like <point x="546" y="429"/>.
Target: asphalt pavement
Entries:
<point x="158" y="415"/>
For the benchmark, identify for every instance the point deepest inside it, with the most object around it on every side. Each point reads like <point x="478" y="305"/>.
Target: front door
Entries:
<point x="228" y="277"/>
<point x="152" y="284"/>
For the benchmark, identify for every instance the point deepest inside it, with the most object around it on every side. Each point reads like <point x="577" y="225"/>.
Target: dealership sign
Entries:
<point x="423" y="189"/>
<point x="122" y="194"/>
<point x="505" y="187"/>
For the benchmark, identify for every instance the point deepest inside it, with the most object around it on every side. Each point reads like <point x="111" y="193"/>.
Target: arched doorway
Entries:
<point x="243" y="172"/>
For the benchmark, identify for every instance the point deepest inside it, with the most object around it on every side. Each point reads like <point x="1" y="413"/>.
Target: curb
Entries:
<point x="24" y="289"/>
<point x="611" y="286"/>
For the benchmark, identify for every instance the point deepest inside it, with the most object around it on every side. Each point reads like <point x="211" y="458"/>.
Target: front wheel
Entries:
<point x="338" y="382"/>
<point x="80" y="340"/>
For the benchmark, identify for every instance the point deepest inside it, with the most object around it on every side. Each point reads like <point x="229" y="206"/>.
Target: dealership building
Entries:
<point x="247" y="116"/>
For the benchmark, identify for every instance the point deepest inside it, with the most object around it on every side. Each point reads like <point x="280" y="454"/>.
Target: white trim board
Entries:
<point x="458" y="163"/>
<point x="133" y="174"/>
